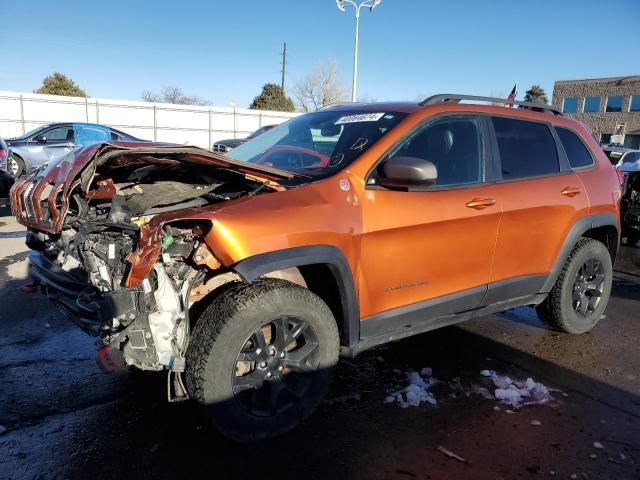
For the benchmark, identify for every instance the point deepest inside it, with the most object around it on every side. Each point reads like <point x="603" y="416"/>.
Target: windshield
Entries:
<point x="318" y="144"/>
<point x="631" y="157"/>
<point x="260" y="131"/>
<point x="30" y="133"/>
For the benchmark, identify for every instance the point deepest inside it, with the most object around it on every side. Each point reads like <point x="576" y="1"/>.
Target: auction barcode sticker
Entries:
<point x="362" y="117"/>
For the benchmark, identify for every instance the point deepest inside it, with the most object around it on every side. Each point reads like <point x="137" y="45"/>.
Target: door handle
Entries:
<point x="481" y="203"/>
<point x="570" y="191"/>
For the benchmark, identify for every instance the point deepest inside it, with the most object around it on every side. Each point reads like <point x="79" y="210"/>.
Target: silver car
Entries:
<point x="50" y="141"/>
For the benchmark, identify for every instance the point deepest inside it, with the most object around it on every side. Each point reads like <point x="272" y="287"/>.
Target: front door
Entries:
<point x="430" y="250"/>
<point x="51" y="144"/>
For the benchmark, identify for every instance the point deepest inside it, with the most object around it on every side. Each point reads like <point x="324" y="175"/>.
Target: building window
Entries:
<point x="605" y="138"/>
<point x="570" y="105"/>
<point x="634" y="105"/>
<point x="632" y="141"/>
<point x="591" y="104"/>
<point x="614" y="104"/>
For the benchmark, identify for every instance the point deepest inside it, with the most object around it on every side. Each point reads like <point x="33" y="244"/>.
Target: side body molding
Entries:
<point x="578" y="230"/>
<point x="253" y="267"/>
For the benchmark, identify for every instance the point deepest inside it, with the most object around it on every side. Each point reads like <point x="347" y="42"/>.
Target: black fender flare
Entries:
<point x="577" y="231"/>
<point x="253" y="267"/>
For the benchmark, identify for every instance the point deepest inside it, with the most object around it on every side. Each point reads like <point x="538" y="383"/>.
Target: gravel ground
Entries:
<point x="62" y="418"/>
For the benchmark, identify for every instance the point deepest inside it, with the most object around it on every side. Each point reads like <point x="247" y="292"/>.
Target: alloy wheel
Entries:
<point x="588" y="287"/>
<point x="275" y="366"/>
<point x="13" y="167"/>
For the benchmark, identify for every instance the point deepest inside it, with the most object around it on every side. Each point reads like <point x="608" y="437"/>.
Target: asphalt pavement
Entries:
<point x="62" y="418"/>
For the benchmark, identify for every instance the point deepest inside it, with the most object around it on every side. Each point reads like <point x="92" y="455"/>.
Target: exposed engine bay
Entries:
<point x="84" y="267"/>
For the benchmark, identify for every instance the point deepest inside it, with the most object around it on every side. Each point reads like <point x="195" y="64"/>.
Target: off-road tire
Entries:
<point x="219" y="335"/>
<point x="557" y="309"/>
<point x="21" y="166"/>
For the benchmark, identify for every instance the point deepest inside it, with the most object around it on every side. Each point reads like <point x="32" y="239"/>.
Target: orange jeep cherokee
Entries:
<point x="245" y="276"/>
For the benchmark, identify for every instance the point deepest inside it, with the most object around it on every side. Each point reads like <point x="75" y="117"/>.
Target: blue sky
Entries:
<point x="226" y="50"/>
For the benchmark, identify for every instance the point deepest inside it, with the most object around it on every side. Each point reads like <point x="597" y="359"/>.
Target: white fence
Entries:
<point x="162" y="122"/>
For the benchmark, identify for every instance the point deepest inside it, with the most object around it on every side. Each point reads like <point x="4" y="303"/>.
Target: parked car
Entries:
<point x="6" y="179"/>
<point x="618" y="155"/>
<point x="245" y="276"/>
<point x="627" y="161"/>
<point x="629" y="166"/>
<point x="229" y="144"/>
<point x="49" y="141"/>
<point x="5" y="152"/>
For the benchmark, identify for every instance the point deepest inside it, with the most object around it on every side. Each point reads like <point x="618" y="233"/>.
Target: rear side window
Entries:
<point x="577" y="152"/>
<point x="88" y="135"/>
<point x="527" y="149"/>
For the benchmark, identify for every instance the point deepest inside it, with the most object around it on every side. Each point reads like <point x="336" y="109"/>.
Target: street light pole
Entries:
<point x="370" y="4"/>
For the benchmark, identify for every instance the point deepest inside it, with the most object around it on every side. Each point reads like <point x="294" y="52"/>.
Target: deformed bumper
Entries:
<point x="91" y="310"/>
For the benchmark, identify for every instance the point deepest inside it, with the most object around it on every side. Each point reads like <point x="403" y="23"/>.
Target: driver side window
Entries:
<point x="59" y="134"/>
<point x="453" y="145"/>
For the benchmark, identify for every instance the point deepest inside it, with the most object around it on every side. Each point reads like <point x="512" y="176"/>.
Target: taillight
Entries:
<point x="3" y="154"/>
<point x="620" y="176"/>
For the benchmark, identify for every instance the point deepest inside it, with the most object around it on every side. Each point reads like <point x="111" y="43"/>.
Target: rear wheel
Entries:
<point x="581" y="292"/>
<point x="15" y="165"/>
<point x="261" y="358"/>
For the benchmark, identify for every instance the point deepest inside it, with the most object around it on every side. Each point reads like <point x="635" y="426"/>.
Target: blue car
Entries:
<point x="50" y="141"/>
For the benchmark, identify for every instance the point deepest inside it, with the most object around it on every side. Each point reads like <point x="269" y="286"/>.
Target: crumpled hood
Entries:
<point x="39" y="200"/>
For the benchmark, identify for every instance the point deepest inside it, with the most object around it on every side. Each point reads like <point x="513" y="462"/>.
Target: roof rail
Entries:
<point x="339" y="104"/>
<point x="456" y="98"/>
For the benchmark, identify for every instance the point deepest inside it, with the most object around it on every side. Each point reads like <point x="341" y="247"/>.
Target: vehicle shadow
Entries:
<point x="355" y="435"/>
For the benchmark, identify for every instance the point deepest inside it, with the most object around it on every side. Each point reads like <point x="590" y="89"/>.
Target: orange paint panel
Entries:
<point x="422" y="245"/>
<point x="535" y="222"/>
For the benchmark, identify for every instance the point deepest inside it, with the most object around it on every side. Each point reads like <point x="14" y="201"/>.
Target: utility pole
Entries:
<point x="284" y="64"/>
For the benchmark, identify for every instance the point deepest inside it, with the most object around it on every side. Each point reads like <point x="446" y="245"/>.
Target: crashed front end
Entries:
<point x="119" y="233"/>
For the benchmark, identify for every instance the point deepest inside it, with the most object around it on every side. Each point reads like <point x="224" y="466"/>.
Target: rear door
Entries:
<point x="541" y="200"/>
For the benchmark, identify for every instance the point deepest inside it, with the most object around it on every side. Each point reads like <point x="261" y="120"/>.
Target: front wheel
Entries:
<point x="16" y="165"/>
<point x="581" y="292"/>
<point x="261" y="358"/>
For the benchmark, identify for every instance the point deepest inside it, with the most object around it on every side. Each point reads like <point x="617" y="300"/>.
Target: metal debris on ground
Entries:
<point x="450" y="454"/>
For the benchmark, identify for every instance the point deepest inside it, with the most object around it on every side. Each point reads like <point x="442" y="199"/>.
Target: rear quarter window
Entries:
<point x="527" y="149"/>
<point x="578" y="154"/>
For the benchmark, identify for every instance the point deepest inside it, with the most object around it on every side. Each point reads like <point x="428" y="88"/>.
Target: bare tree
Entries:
<point x="321" y="87"/>
<point x="175" y="95"/>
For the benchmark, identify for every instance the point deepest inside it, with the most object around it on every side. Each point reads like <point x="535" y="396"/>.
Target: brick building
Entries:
<point x="610" y="106"/>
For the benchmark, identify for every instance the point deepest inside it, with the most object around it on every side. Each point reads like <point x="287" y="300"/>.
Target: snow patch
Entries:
<point x="517" y="393"/>
<point x="416" y="392"/>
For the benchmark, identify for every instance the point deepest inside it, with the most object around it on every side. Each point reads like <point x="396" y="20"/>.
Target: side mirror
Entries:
<point x="41" y="139"/>
<point x="405" y="172"/>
